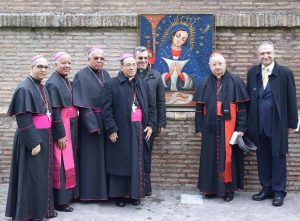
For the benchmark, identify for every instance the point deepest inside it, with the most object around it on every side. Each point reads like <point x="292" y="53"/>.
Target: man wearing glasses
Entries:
<point x="87" y="89"/>
<point x="30" y="194"/>
<point x="129" y="117"/>
<point x="157" y="91"/>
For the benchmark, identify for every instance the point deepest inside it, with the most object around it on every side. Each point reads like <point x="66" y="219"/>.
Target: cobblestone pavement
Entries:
<point x="167" y="205"/>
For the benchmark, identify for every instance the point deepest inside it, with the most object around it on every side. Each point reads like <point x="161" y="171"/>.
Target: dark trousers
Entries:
<point x="271" y="170"/>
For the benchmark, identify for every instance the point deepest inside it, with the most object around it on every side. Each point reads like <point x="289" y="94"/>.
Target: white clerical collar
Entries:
<point x="270" y="67"/>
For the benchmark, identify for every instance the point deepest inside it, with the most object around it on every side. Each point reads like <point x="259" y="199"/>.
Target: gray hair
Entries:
<point x="265" y="43"/>
<point x="140" y="49"/>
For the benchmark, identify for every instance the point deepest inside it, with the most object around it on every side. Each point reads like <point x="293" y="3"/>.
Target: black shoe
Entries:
<point x="148" y="194"/>
<point x="120" y="202"/>
<point x="53" y="215"/>
<point x="210" y="195"/>
<point x="135" y="202"/>
<point x="278" y="199"/>
<point x="262" y="195"/>
<point x="228" y="196"/>
<point x="64" y="208"/>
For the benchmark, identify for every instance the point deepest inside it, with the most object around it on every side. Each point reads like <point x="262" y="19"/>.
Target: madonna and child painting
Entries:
<point x="179" y="48"/>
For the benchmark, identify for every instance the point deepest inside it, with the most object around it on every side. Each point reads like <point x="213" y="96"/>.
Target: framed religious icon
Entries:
<point x="179" y="47"/>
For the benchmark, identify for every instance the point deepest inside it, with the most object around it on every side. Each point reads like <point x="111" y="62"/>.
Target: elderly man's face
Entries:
<point x="96" y="59"/>
<point x="129" y="67"/>
<point x="266" y="55"/>
<point x="63" y="65"/>
<point x="142" y="59"/>
<point x="39" y="69"/>
<point x="217" y="65"/>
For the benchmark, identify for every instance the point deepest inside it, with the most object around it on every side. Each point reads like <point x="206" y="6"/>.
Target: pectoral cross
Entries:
<point x="134" y="107"/>
<point x="48" y="114"/>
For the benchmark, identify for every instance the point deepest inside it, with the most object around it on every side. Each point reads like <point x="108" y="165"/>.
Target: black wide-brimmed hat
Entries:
<point x="245" y="143"/>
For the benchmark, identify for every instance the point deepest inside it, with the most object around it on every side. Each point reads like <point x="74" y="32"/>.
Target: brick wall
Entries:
<point x="238" y="45"/>
<point x="74" y="26"/>
<point x="7" y="128"/>
<point x="18" y="45"/>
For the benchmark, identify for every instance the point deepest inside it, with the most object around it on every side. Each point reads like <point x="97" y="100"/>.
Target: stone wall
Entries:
<point x="131" y="6"/>
<point x="74" y="26"/>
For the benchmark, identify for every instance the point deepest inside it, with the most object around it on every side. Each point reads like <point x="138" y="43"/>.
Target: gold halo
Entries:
<point x="186" y="21"/>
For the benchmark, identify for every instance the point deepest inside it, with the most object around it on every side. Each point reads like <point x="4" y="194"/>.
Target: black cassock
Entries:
<point x="30" y="193"/>
<point x="87" y="90"/>
<point x="220" y="110"/>
<point x="60" y="92"/>
<point x="124" y="159"/>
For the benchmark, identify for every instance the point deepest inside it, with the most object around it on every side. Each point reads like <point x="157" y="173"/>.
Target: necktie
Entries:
<point x="265" y="77"/>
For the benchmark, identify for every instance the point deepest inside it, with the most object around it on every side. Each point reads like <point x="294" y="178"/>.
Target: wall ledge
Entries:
<point x="242" y="20"/>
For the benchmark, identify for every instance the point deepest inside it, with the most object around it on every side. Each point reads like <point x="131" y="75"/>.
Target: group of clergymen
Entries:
<point x="91" y="139"/>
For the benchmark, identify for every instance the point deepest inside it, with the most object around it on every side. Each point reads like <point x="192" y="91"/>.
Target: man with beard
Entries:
<point x="129" y="117"/>
<point x="87" y="89"/>
<point x="64" y="130"/>
<point x="220" y="110"/>
<point x="30" y="193"/>
<point x="157" y="91"/>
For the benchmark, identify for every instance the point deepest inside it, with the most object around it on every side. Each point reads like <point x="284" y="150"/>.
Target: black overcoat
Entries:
<point x="117" y="98"/>
<point x="285" y="116"/>
<point x="157" y="91"/>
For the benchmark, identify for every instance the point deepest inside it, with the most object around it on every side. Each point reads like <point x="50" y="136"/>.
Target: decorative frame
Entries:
<point x="179" y="47"/>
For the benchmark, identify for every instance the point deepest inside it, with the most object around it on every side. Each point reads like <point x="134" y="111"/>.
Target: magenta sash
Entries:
<point x="66" y="154"/>
<point x="42" y="121"/>
<point x="97" y="110"/>
<point x="136" y="116"/>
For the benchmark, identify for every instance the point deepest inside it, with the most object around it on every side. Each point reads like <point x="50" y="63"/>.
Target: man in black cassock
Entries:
<point x="87" y="89"/>
<point x="220" y="110"/>
<point x="129" y="117"/>
<point x="64" y="129"/>
<point x="272" y="118"/>
<point x="30" y="193"/>
<point x="157" y="91"/>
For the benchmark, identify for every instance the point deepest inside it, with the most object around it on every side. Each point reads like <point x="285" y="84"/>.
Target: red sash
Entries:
<point x="229" y="129"/>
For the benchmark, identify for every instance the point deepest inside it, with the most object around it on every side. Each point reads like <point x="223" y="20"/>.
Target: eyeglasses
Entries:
<point x="141" y="58"/>
<point x="97" y="58"/>
<point x="41" y="67"/>
<point x="128" y="65"/>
